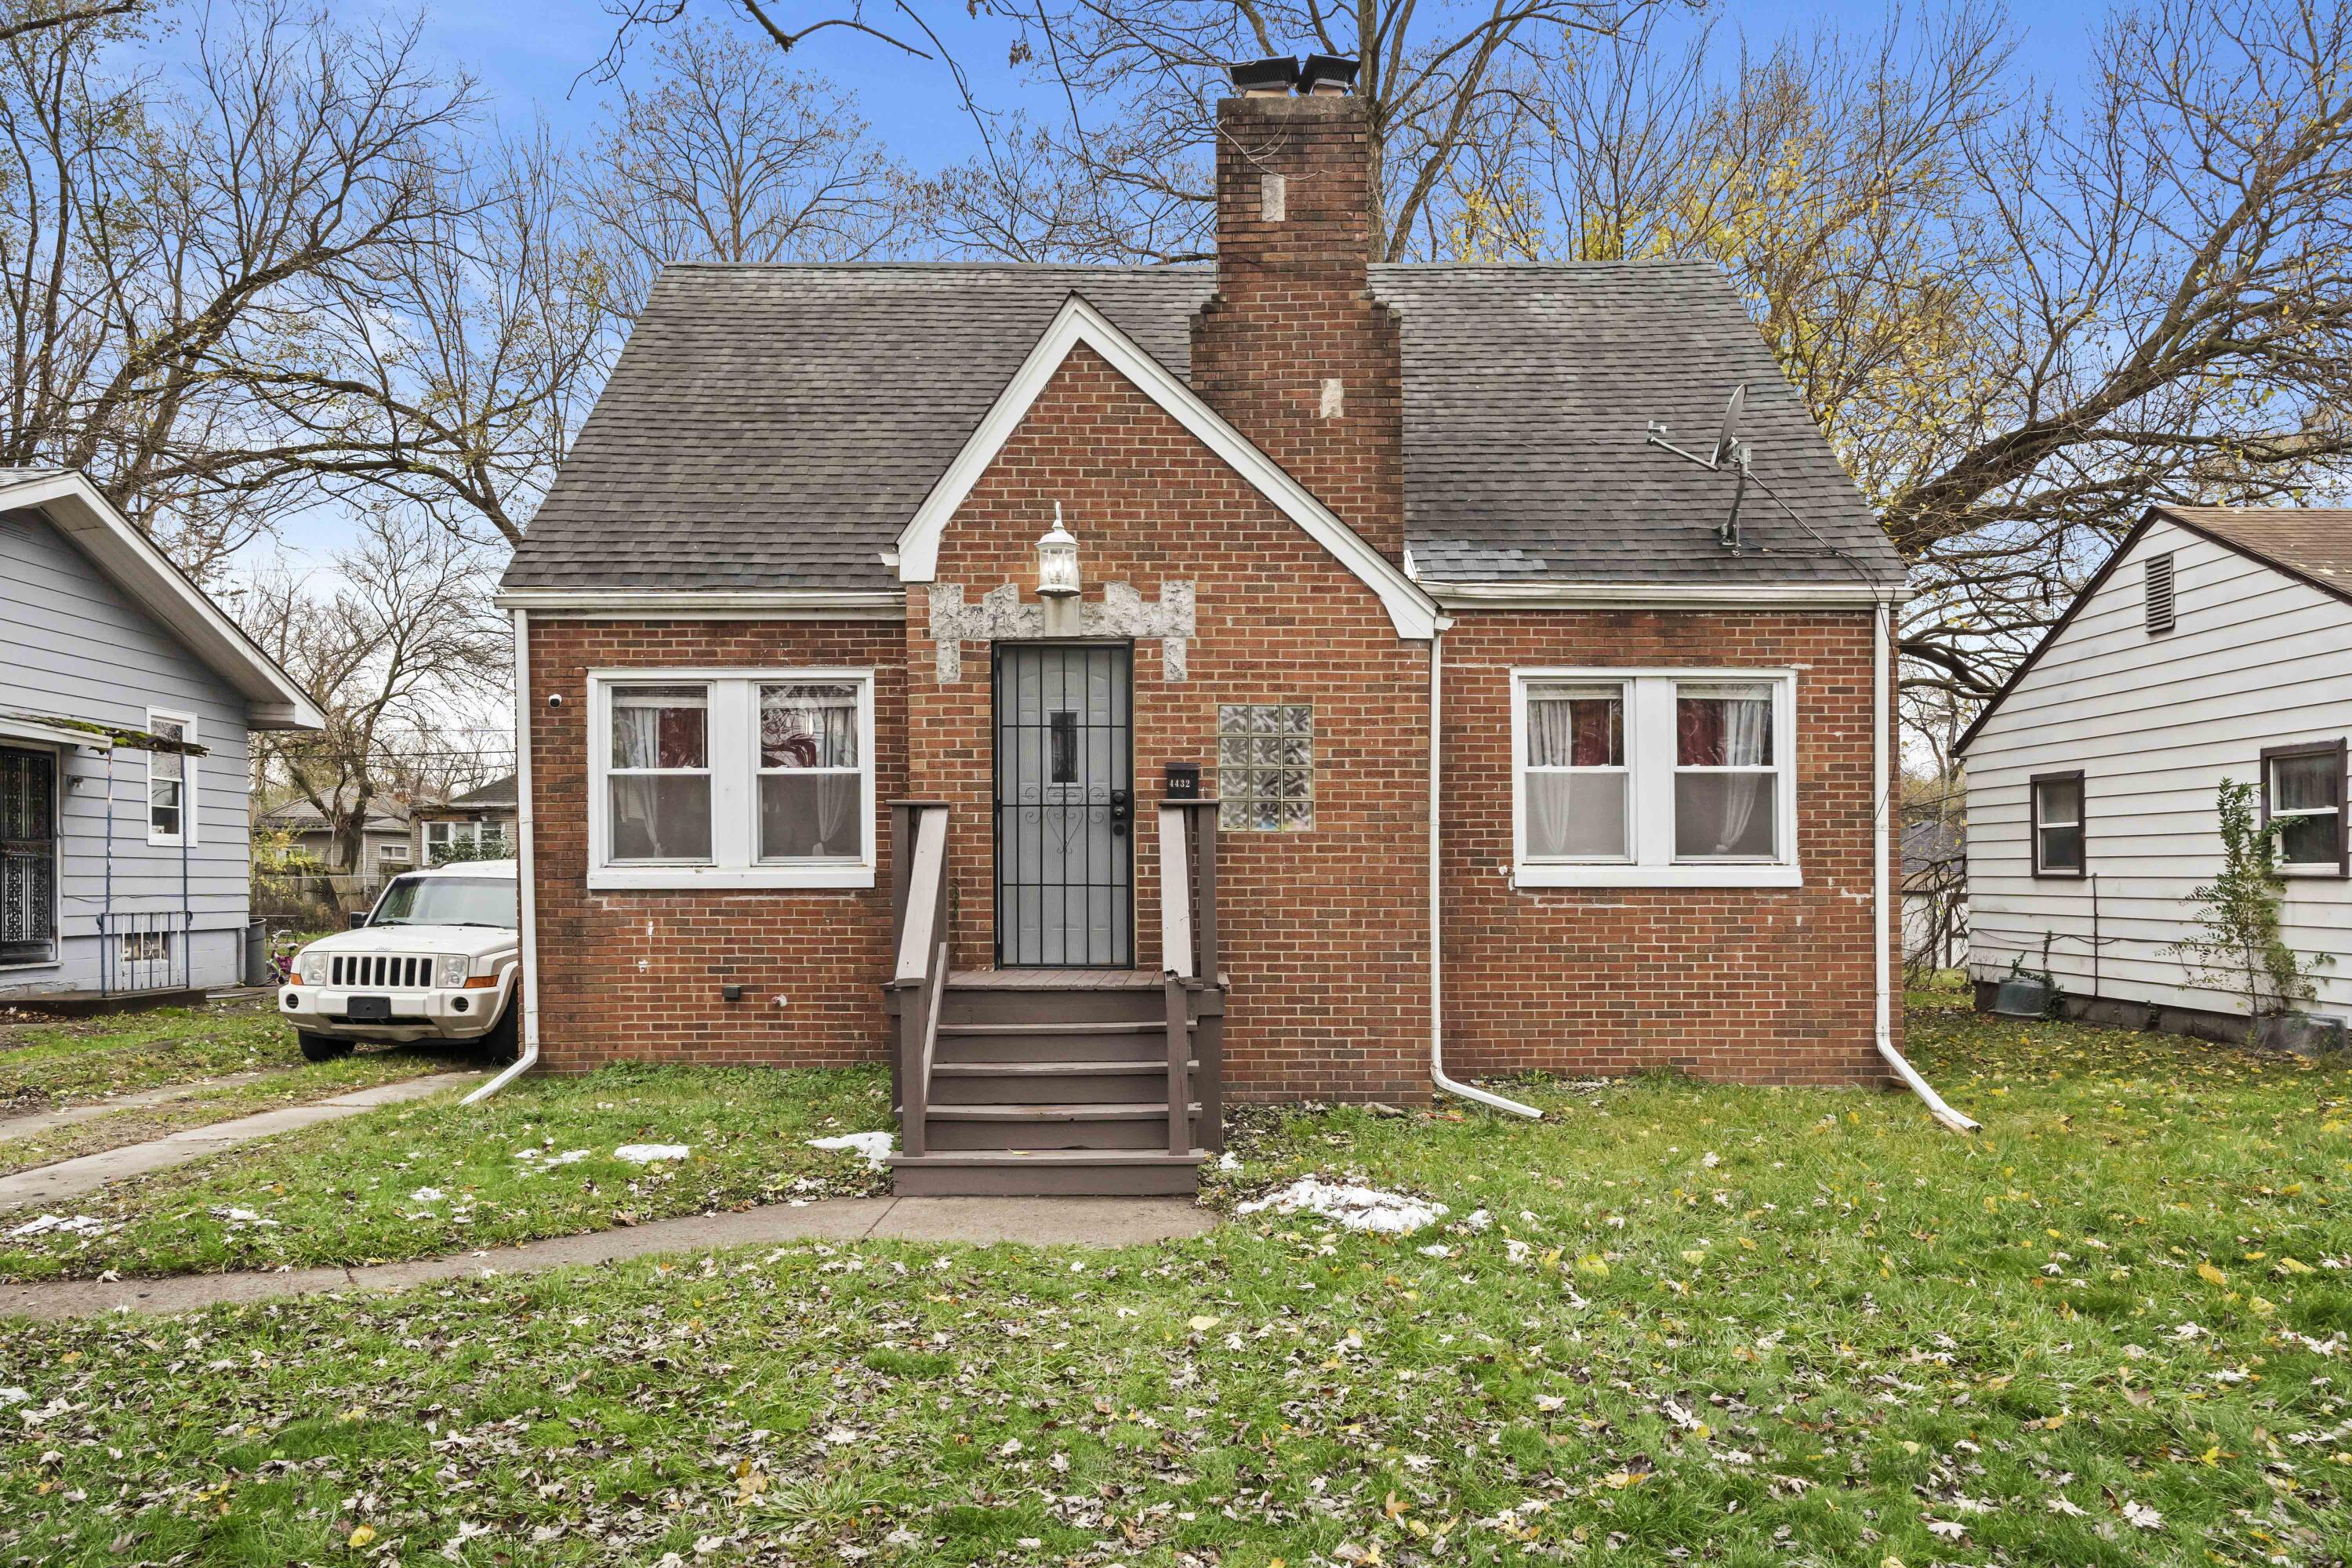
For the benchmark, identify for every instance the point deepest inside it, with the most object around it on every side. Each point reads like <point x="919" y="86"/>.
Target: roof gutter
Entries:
<point x="1556" y="595"/>
<point x="710" y="603"/>
<point x="525" y="865"/>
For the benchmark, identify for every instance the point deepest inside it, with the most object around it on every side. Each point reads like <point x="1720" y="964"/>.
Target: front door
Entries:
<point x="28" y="855"/>
<point x="1065" y="806"/>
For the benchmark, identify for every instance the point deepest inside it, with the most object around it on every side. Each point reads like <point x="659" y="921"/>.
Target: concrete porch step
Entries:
<point x="1021" y="1172"/>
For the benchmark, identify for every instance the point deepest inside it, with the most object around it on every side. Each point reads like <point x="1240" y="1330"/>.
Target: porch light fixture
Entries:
<point x="1058" y="561"/>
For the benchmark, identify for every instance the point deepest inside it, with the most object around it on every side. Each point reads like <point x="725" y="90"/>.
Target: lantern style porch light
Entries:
<point x="1058" y="561"/>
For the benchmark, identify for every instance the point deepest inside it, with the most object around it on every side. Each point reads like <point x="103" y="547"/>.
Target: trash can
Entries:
<point x="256" y="953"/>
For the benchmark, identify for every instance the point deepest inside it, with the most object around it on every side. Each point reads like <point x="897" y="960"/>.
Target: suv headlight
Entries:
<point x="449" y="971"/>
<point x="311" y="968"/>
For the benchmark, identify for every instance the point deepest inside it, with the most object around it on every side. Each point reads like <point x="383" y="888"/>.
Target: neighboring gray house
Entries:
<point x="123" y="863"/>
<point x="481" y="821"/>
<point x="388" y="842"/>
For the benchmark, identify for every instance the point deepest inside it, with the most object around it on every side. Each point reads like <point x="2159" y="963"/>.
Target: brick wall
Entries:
<point x="637" y="977"/>
<point x="1293" y="348"/>
<point x="1751" y="986"/>
<point x="1324" y="932"/>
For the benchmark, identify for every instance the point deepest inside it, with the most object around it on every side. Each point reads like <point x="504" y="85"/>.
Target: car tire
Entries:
<point x="499" y="1043"/>
<point x="322" y="1047"/>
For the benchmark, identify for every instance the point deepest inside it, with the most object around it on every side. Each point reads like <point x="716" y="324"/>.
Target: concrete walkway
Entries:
<point x="39" y="1122"/>
<point x="1038" y="1222"/>
<point x="50" y="1185"/>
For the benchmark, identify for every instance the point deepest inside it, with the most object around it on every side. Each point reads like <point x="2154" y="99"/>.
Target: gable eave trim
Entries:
<point x="1412" y="611"/>
<point x="131" y="561"/>
<point x="2057" y="629"/>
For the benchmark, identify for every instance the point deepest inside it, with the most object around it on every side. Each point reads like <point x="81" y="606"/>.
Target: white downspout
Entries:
<point x="1882" y="708"/>
<point x="1436" y="931"/>
<point x="525" y="864"/>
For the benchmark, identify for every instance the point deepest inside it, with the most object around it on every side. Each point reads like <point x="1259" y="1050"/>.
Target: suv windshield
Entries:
<point x="447" y="901"/>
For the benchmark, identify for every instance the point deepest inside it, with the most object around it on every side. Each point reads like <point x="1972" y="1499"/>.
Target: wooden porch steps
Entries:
<point x="1058" y="1081"/>
<point x="1035" y="1081"/>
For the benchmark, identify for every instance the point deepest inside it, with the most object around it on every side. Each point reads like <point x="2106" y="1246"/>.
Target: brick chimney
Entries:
<point x="1292" y="348"/>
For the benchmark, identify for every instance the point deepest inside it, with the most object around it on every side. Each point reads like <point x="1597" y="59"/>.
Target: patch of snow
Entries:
<point x="872" y="1147"/>
<point x="67" y="1225"/>
<point x="241" y="1217"/>
<point x="646" y="1154"/>
<point x="1355" y="1208"/>
<point x="13" y="1396"/>
<point x="1228" y="1160"/>
<point x="569" y="1157"/>
<point x="427" y="1195"/>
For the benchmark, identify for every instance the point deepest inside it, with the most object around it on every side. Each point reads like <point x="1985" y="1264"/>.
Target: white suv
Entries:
<point x="436" y="959"/>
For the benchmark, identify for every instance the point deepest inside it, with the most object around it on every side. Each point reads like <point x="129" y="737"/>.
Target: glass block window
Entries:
<point x="1265" y="766"/>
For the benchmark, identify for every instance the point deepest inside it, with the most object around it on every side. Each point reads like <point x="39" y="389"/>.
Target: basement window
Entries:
<point x="1654" y="778"/>
<point x="2303" y="794"/>
<point x="732" y="779"/>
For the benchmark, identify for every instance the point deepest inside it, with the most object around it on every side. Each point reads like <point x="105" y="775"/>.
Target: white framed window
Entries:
<point x="170" y="782"/>
<point x="1654" y="778"/>
<point x="731" y="778"/>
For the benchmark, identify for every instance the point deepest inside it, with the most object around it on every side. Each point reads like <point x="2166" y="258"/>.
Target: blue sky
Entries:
<point x="528" y="52"/>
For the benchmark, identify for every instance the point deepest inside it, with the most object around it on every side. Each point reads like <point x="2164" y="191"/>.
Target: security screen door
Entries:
<point x="1065" y="794"/>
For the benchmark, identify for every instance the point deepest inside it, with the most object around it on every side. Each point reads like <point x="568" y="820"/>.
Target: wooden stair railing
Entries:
<point x="919" y="837"/>
<point x="1188" y="961"/>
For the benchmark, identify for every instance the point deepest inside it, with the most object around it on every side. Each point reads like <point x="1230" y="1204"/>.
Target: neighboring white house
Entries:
<point x="2215" y="644"/>
<point x="1934" y="893"/>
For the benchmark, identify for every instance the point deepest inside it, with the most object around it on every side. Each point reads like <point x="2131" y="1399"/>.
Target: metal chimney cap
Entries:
<point x="1327" y="74"/>
<point x="1265" y="79"/>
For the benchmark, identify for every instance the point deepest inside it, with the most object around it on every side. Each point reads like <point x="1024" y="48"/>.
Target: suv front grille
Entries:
<point x="392" y="970"/>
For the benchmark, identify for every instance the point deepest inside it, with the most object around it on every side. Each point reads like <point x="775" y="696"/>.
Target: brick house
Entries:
<point x="1029" y="674"/>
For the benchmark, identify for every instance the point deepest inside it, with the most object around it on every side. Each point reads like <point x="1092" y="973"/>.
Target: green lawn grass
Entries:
<point x="49" y="1061"/>
<point x="430" y="1177"/>
<point x="1701" y="1324"/>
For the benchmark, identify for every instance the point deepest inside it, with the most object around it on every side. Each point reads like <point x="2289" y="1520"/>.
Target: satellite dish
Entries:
<point x="1723" y="442"/>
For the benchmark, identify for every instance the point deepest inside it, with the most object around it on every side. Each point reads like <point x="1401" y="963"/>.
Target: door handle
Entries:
<point x="1119" y="813"/>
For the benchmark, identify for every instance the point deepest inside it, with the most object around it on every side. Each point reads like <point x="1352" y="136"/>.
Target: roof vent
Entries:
<point x="2158" y="583"/>
<point x="1265" y="78"/>
<point x="1327" y="76"/>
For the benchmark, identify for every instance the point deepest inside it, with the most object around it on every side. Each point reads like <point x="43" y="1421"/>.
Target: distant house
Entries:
<point x="126" y="701"/>
<point x="2215" y="644"/>
<point x="1934" y="893"/>
<point x="387" y="841"/>
<point x="479" y="822"/>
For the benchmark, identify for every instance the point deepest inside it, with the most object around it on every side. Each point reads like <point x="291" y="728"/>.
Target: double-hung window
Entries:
<point x="2059" y="824"/>
<point x="170" y="782"/>
<point x="2304" y="798"/>
<point x="731" y="778"/>
<point x="1654" y="778"/>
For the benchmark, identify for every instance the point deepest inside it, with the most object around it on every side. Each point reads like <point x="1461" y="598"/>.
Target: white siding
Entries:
<point x="2155" y="722"/>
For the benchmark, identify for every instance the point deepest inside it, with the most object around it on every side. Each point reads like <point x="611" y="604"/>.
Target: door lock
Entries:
<point x="1119" y="813"/>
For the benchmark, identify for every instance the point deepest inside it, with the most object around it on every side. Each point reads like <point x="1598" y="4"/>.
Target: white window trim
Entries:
<point x="188" y="834"/>
<point x="1650" y="748"/>
<point x="733" y="758"/>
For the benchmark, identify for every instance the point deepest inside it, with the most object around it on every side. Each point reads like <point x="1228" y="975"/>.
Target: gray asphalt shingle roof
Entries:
<point x="775" y="427"/>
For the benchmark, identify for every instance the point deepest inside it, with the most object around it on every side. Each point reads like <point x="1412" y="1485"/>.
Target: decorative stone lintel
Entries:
<point x="1003" y="617"/>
